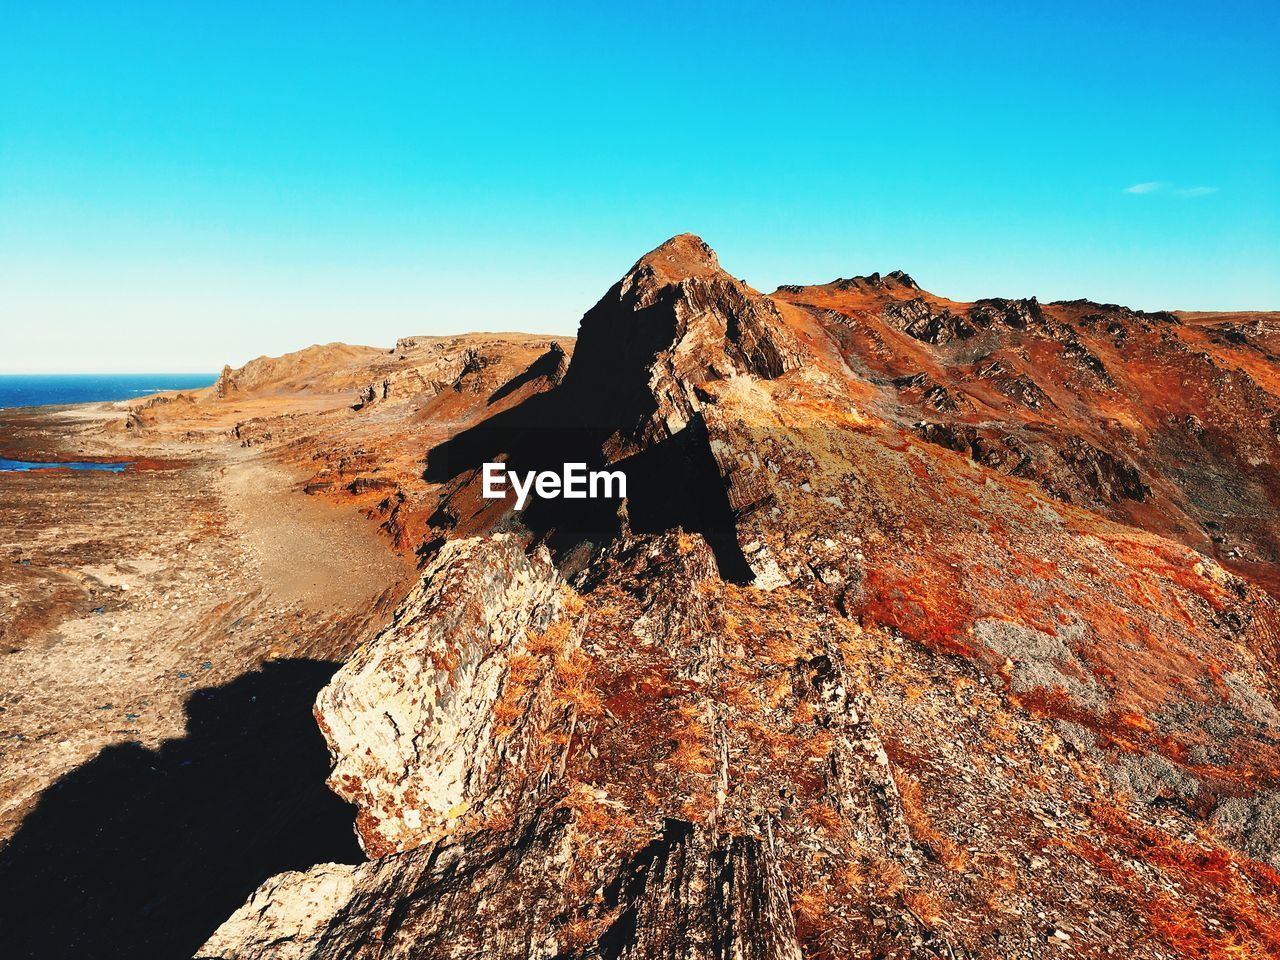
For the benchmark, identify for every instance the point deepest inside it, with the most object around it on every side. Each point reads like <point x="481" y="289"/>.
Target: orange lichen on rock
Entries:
<point x="922" y="631"/>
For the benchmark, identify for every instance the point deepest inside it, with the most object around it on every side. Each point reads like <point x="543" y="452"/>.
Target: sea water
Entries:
<point x="20" y="466"/>
<point x="34" y="390"/>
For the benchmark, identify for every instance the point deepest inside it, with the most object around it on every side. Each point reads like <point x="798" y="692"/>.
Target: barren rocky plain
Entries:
<point x="926" y="629"/>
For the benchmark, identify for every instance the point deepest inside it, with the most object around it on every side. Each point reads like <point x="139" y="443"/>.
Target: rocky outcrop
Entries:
<point x="1091" y="474"/>
<point x="330" y="367"/>
<point x="1108" y="476"/>
<point x="412" y="718"/>
<point x="636" y="395"/>
<point x="893" y="281"/>
<point x="399" y="384"/>
<point x="674" y="322"/>
<point x="423" y="367"/>
<point x="226" y="383"/>
<point x="917" y="318"/>
<point x="539" y="859"/>
<point x="509" y="896"/>
<point x="496" y="896"/>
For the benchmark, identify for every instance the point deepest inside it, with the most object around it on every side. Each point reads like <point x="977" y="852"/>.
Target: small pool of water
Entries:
<point x="19" y="465"/>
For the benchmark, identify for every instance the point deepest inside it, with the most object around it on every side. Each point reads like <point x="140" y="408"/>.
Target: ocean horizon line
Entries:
<point x="57" y="389"/>
<point x="109" y="373"/>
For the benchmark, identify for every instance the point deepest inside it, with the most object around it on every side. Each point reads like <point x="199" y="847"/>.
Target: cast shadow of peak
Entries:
<point x="672" y="482"/>
<point x="604" y="390"/>
<point x="142" y="853"/>
<point x="549" y="366"/>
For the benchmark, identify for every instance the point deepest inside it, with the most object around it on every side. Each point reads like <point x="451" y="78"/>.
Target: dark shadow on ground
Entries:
<point x="673" y="482"/>
<point x="601" y="415"/>
<point x="143" y="853"/>
<point x="549" y="367"/>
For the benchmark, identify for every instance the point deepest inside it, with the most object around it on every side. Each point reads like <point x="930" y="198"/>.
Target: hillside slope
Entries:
<point x="927" y="628"/>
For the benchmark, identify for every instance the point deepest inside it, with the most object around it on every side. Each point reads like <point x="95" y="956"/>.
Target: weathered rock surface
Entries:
<point x="506" y="896"/>
<point x="674" y="322"/>
<point x="410" y="718"/>
<point x="839" y="677"/>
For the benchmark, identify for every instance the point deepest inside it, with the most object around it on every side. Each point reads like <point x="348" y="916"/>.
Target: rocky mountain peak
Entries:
<point x="894" y="280"/>
<point x="683" y="256"/>
<point x="635" y="395"/>
<point x="674" y="321"/>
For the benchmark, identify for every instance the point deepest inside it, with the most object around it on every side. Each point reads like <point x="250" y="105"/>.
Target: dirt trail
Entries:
<point x="308" y="551"/>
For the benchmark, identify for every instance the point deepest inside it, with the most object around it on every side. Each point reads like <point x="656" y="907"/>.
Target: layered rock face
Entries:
<point x="411" y="718"/>
<point x="689" y="322"/>
<point x="650" y="358"/>
<point x="920" y="633"/>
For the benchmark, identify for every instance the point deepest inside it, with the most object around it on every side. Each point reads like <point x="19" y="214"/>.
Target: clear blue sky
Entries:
<point x="187" y="184"/>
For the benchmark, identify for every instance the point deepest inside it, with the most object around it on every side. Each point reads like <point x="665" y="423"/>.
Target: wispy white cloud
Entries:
<point x="1160" y="186"/>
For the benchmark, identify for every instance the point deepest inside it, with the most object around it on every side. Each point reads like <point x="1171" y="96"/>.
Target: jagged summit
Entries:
<point x="684" y="255"/>
<point x="674" y="320"/>
<point x="687" y="255"/>
<point x="893" y="282"/>
<point x="874" y="281"/>
<point x="648" y="358"/>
